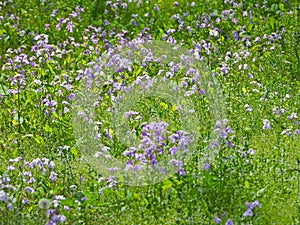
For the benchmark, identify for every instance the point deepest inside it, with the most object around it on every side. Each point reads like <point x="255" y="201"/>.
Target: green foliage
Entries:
<point x="36" y="123"/>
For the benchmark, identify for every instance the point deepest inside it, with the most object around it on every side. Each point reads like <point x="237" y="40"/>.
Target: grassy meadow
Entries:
<point x="250" y="49"/>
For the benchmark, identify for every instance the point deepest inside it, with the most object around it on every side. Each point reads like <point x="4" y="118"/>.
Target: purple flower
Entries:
<point x="3" y="196"/>
<point x="251" y="151"/>
<point x="213" y="145"/>
<point x="292" y="116"/>
<point x="9" y="206"/>
<point x="156" y="8"/>
<point x="248" y="212"/>
<point x="52" y="176"/>
<point x="173" y="150"/>
<point x="5" y="179"/>
<point x="176" y="4"/>
<point x="29" y="189"/>
<point x="205" y="166"/>
<point x="58" y="218"/>
<point x="224" y="69"/>
<point x="129" y="114"/>
<point x="256" y="204"/>
<point x="50" y="212"/>
<point x="10" y="167"/>
<point x="229" y="144"/>
<point x="257" y="39"/>
<point x="217" y="220"/>
<point x="235" y="35"/>
<point x="181" y="172"/>
<point x="266" y="125"/>
<point x="176" y="162"/>
<point x="229" y="222"/>
<point x="24" y="201"/>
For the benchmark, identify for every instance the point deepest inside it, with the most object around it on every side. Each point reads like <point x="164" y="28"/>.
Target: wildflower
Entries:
<point x="10" y="167"/>
<point x="58" y="218"/>
<point x="52" y="176"/>
<point x="44" y="203"/>
<point x="224" y="69"/>
<point x="29" y="189"/>
<point x="50" y="212"/>
<point x="266" y="125"/>
<point x="248" y="212"/>
<point x="257" y="39"/>
<point x="251" y="151"/>
<point x="229" y="222"/>
<point x="70" y="26"/>
<point x="156" y="8"/>
<point x="217" y="220"/>
<point x="9" y="206"/>
<point x="176" y="162"/>
<point x="73" y="187"/>
<point x="206" y="166"/>
<point x="181" y="172"/>
<point x="229" y="144"/>
<point x="248" y="108"/>
<point x="5" y="179"/>
<point x="214" y="33"/>
<point x="255" y="204"/>
<point x="173" y="150"/>
<point x="292" y="116"/>
<point x="3" y="196"/>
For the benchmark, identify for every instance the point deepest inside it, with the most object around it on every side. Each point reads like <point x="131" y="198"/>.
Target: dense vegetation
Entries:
<point x="249" y="49"/>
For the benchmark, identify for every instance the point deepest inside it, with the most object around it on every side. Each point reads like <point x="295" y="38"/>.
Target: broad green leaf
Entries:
<point x="281" y="6"/>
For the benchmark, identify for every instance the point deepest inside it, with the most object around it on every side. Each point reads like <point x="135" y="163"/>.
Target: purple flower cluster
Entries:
<point x="29" y="171"/>
<point x="155" y="144"/>
<point x="250" y="206"/>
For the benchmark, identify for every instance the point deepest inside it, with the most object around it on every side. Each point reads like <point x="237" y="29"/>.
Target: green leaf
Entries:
<point x="281" y="6"/>
<point x="166" y="184"/>
<point x="247" y="184"/>
<point x="50" y="68"/>
<point x="38" y="139"/>
<point x="3" y="89"/>
<point x="164" y="105"/>
<point x="27" y="135"/>
<point x="250" y="27"/>
<point x="48" y="129"/>
<point x="74" y="152"/>
<point x="244" y="90"/>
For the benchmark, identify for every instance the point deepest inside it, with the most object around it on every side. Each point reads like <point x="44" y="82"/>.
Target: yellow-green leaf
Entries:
<point x="247" y="184"/>
<point x="167" y="184"/>
<point x="164" y="105"/>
